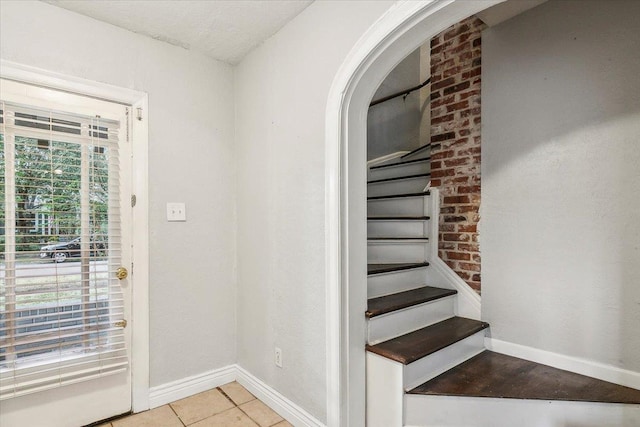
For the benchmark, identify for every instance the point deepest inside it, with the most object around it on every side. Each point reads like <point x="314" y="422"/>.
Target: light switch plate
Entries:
<point x="176" y="212"/>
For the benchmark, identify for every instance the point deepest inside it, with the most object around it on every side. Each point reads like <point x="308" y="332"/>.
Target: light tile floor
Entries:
<point x="230" y="405"/>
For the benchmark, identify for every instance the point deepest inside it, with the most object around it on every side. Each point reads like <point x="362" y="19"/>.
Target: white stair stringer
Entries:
<point x="398" y="186"/>
<point x="397" y="228"/>
<point x="389" y="251"/>
<point x="388" y="379"/>
<point x="399" y="322"/>
<point x="401" y="169"/>
<point x="457" y="411"/>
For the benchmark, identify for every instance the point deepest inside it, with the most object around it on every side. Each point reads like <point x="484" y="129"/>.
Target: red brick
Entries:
<point x="443" y="137"/>
<point x="442" y="154"/>
<point x="467" y="228"/>
<point x="456" y="199"/>
<point x="455" y="237"/>
<point x="458" y="106"/>
<point x="456" y="88"/>
<point x="443" y="172"/>
<point x="468" y="266"/>
<point x="443" y="83"/>
<point x="459" y="256"/>
<point x="468" y="247"/>
<point x="467" y="208"/>
<point x="456" y="162"/>
<point x="469" y="189"/>
<point x="456" y="31"/>
<point x="442" y="119"/>
<point x="450" y="218"/>
<point x="447" y="228"/>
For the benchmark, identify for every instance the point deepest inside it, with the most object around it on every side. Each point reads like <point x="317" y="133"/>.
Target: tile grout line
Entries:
<point x="177" y="416"/>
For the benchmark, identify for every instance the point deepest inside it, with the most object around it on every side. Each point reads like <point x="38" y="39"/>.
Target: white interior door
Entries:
<point x="66" y="236"/>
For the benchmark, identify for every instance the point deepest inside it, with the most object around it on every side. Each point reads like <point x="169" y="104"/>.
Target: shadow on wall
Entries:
<point x="561" y="119"/>
<point x="394" y="125"/>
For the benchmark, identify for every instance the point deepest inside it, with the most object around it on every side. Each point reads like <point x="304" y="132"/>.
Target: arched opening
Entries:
<point x="400" y="31"/>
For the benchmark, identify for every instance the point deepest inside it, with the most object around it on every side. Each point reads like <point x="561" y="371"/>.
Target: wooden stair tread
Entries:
<point x="398" y="196"/>
<point x="398" y="178"/>
<point x="496" y="375"/>
<point x="424" y="159"/>
<point x="386" y="268"/>
<point x="388" y="303"/>
<point x="398" y="218"/>
<point x="417" y="150"/>
<point x="423" y="342"/>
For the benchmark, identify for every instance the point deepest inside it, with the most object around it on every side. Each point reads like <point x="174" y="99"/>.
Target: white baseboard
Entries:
<point x="568" y="363"/>
<point x="176" y="390"/>
<point x="276" y="401"/>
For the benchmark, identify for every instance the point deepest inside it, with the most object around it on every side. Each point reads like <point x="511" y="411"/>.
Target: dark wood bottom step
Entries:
<point x="389" y="303"/>
<point x="497" y="375"/>
<point x="423" y="342"/>
<point x="387" y="268"/>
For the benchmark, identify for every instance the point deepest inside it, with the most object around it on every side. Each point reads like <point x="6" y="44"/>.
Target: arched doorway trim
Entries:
<point x="402" y="29"/>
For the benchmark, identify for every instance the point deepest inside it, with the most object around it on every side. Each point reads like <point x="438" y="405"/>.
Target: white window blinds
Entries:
<point x="61" y="305"/>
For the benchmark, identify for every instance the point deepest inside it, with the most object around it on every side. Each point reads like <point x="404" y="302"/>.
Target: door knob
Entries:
<point x="122" y="273"/>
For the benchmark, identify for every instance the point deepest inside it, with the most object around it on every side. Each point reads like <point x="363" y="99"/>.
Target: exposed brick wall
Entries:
<point x="455" y="139"/>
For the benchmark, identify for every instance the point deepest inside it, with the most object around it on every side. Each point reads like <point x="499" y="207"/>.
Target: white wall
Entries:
<point x="281" y="95"/>
<point x="191" y="159"/>
<point x="394" y="125"/>
<point x="561" y="180"/>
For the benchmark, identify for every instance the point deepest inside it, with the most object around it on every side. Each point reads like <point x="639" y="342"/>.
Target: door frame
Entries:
<point x="140" y="213"/>
<point x="402" y="29"/>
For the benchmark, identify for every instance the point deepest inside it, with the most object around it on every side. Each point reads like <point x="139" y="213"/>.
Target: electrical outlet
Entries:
<point x="176" y="212"/>
<point x="278" y="357"/>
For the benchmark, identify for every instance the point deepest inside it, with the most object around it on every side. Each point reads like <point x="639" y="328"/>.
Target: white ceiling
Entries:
<point x="222" y="29"/>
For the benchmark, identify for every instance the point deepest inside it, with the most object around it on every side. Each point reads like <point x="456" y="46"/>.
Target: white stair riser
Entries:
<point x="408" y="206"/>
<point x="399" y="186"/>
<point x="431" y="366"/>
<point x="403" y="170"/>
<point x="391" y="325"/>
<point x="397" y="228"/>
<point x="457" y="411"/>
<point x="397" y="281"/>
<point x="390" y="252"/>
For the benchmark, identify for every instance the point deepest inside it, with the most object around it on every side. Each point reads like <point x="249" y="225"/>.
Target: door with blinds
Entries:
<point x="65" y="248"/>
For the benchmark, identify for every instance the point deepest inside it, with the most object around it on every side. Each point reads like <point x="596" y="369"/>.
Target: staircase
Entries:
<point x="426" y="363"/>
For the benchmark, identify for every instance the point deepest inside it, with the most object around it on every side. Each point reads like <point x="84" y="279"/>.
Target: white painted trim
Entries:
<point x="469" y="302"/>
<point x="386" y="158"/>
<point x="568" y="363"/>
<point x="405" y="26"/>
<point x="140" y="140"/>
<point x="53" y="80"/>
<point x="276" y="401"/>
<point x="176" y="390"/>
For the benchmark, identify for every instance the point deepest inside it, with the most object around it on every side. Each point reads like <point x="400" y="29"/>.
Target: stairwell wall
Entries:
<point x="560" y="231"/>
<point x="281" y="93"/>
